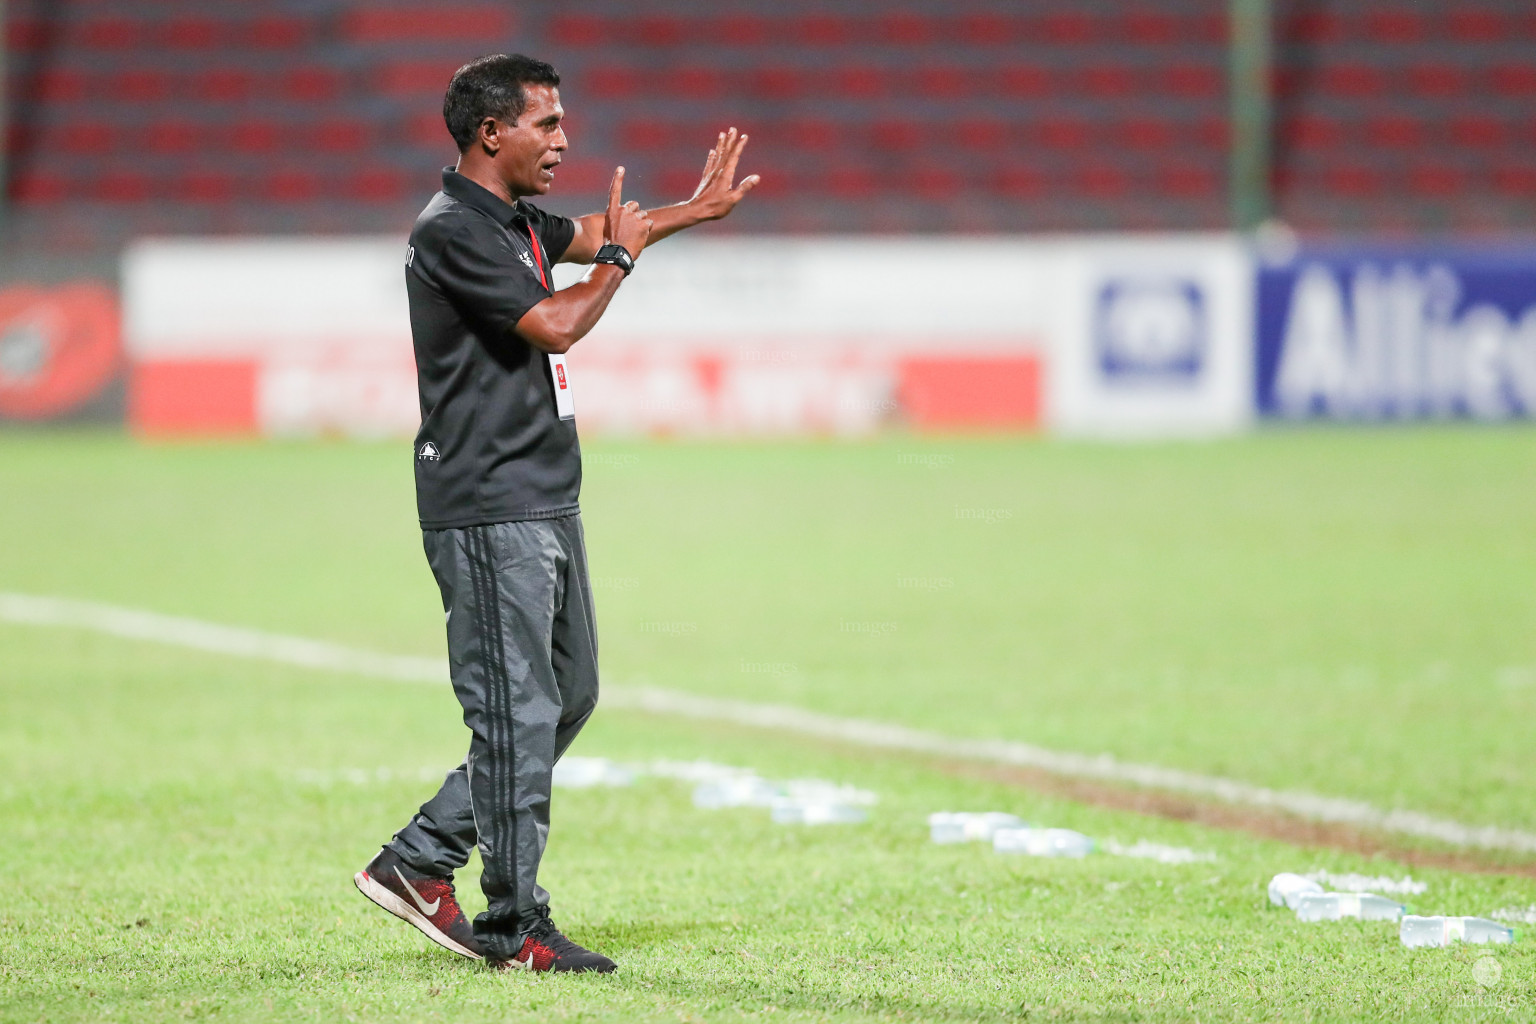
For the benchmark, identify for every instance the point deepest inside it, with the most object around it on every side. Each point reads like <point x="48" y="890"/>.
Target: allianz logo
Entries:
<point x="1396" y="342"/>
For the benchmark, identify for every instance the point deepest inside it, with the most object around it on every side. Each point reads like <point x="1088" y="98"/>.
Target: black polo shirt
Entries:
<point x="492" y="446"/>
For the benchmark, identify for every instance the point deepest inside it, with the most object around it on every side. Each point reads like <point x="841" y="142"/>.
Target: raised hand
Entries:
<point x="716" y="196"/>
<point x="625" y="223"/>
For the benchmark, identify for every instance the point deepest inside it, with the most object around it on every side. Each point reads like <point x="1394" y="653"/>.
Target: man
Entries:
<point x="498" y="470"/>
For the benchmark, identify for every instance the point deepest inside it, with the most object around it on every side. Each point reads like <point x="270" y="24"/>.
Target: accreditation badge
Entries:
<point x="565" y="405"/>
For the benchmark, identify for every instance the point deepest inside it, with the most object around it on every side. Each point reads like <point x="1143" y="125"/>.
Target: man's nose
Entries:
<point x="561" y="142"/>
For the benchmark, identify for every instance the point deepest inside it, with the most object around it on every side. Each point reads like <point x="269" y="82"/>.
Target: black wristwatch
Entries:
<point x="617" y="255"/>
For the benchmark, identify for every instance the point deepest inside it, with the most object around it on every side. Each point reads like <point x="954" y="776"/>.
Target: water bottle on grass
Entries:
<point x="967" y="826"/>
<point x="1336" y="906"/>
<point x="1442" y="931"/>
<point x="1286" y="888"/>
<point x="1042" y="842"/>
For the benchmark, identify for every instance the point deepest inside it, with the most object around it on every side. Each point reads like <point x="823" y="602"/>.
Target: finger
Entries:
<point x="633" y="205"/>
<point x="615" y="189"/>
<point x="748" y="183"/>
<point x="733" y="156"/>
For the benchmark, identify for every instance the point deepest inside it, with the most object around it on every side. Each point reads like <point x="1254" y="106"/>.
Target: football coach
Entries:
<point x="498" y="472"/>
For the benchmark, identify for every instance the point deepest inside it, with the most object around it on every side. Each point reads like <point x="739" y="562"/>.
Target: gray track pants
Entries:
<point x="522" y="651"/>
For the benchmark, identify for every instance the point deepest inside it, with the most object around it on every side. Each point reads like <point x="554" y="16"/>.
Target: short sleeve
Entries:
<point x="486" y="278"/>
<point x="554" y="231"/>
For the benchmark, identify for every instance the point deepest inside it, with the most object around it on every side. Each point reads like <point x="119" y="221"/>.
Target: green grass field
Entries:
<point x="1351" y="613"/>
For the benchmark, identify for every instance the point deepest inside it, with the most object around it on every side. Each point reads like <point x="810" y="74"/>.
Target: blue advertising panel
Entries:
<point x="1380" y="333"/>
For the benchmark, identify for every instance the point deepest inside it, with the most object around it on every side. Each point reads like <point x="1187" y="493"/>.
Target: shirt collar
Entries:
<point x="483" y="199"/>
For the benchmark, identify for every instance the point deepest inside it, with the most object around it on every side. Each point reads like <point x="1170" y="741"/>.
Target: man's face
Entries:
<point x="530" y="150"/>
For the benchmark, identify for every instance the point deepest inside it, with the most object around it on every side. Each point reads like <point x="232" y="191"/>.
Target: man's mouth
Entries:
<point x="549" y="168"/>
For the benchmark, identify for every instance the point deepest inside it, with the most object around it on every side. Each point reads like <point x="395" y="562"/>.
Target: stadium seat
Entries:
<point x="822" y="30"/>
<point x="190" y="33"/>
<point x="697" y="82"/>
<point x="1436" y="179"/>
<point x="1395" y="131"/>
<point x="205" y="187"/>
<point x="1472" y="24"/>
<point x="1065" y="133"/>
<point x="1021" y="181"/>
<point x="24" y="34"/>
<point x="141" y="85"/>
<point x="1065" y="28"/>
<point x="275" y="32"/>
<point x="173" y="138"/>
<point x="312" y="84"/>
<point x="225" y="85"/>
<point x="1313" y="26"/>
<point x="109" y="34"/>
<point x="117" y="186"/>
<point x="415" y="78"/>
<point x="1517" y="81"/>
<point x="1151" y="27"/>
<point x="480" y="25"/>
<point x="1395" y="25"/>
<point x="1193" y="81"/>
<point x="658" y="30"/>
<point x="861" y="81"/>
<point x="987" y="134"/>
<point x="1352" y="80"/>
<point x="1438" y="79"/>
<point x="1146" y="133"/>
<point x="1187" y="179"/>
<point x="906" y="28"/>
<point x="989" y="28"/>
<point x="1102" y="179"/>
<point x="1025" y="81"/>
<point x="1108" y="81"/>
<point x="577" y="30"/>
<point x="1479" y="132"/>
<point x="899" y="136"/>
<point x="41" y="189"/>
<point x="738" y="30"/>
<point x="1352" y="178"/>
<point x="290" y="185"/>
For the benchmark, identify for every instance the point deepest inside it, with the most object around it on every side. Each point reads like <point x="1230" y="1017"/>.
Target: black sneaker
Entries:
<point x="545" y="949"/>
<point x="426" y="901"/>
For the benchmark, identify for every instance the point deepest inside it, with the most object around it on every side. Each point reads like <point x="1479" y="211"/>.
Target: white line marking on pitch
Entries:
<point x="135" y="624"/>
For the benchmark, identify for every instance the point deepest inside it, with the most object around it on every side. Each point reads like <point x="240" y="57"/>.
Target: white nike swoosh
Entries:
<point x="422" y="905"/>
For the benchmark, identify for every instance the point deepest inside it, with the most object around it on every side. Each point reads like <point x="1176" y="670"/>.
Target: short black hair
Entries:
<point x="491" y="87"/>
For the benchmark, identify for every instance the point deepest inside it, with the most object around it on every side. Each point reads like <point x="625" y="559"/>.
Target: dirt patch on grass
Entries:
<point x="1267" y="824"/>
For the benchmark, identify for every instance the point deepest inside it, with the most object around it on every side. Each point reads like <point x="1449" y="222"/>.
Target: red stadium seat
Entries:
<point x="1353" y="80"/>
<point x="1063" y="133"/>
<point x="822" y="30"/>
<point x="206" y="187"/>
<point x="23" y="35"/>
<point x="858" y="81"/>
<point x="254" y="136"/>
<point x="1109" y="81"/>
<point x="1194" y="81"/>
<point x="275" y="32"/>
<point x="906" y="28"/>
<point x="850" y="180"/>
<point x="991" y="29"/>
<point x="697" y="82"/>
<point x="175" y="138"/>
<point x="1024" y="81"/>
<point x="117" y="186"/>
<point x="314" y="84"/>
<point x="1477" y="25"/>
<point x="1151" y="27"/>
<point x="658" y="30"/>
<point x="1514" y="80"/>
<point x="1188" y="180"/>
<point x="1393" y="25"/>
<point x="110" y="34"/>
<point x="36" y="188"/>
<point x="141" y="85"/>
<point x="227" y="85"/>
<point x="1517" y="180"/>
<point x="1353" y="179"/>
<point x="899" y="136"/>
<point x="1314" y="27"/>
<point x="1146" y="134"/>
<point x="1436" y="179"/>
<point x="982" y="133"/>
<point x="1065" y="28"/>
<point x="1395" y="131"/>
<point x="481" y="25"/>
<point x="1439" y="80"/>
<point x="376" y="185"/>
<point x="1479" y="131"/>
<point x="292" y="185"/>
<point x="58" y="85"/>
<point x="947" y="82"/>
<point x="1313" y="132"/>
<point x="738" y="30"/>
<point x="1021" y="181"/>
<point x="415" y="78"/>
<point x="1102" y="180"/>
<point x="614" y="80"/>
<point x="191" y="33"/>
<point x="577" y="30"/>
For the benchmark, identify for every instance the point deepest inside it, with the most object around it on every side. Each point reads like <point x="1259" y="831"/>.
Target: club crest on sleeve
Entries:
<point x="428" y="453"/>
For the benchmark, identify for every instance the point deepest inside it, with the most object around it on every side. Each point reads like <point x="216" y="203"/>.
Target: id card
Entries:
<point x="565" y="405"/>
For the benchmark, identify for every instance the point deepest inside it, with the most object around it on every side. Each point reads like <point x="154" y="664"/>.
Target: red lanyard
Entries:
<point x="537" y="257"/>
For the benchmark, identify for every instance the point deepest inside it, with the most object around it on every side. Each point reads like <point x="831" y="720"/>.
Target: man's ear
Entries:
<point x="489" y="135"/>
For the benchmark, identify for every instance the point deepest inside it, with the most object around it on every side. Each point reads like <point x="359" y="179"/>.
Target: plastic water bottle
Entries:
<point x="1335" y="906"/>
<point x="968" y="826"/>
<point x="1442" y="931"/>
<point x="1042" y="842"/>
<point x="1285" y="889"/>
<point x="737" y="791"/>
<point x="811" y="812"/>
